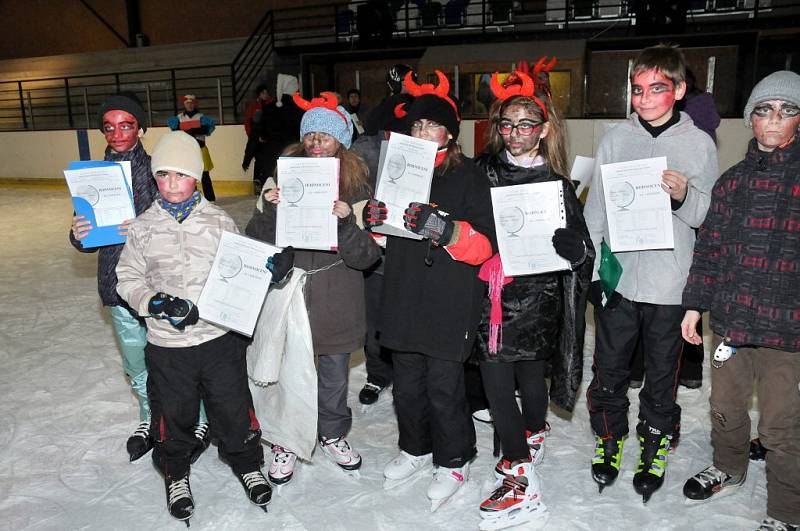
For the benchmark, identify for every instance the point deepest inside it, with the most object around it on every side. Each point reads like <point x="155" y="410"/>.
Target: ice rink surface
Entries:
<point x="66" y="412"/>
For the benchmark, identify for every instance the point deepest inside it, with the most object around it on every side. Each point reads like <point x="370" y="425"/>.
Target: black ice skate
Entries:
<point x="203" y="441"/>
<point x="606" y="461"/>
<point x="711" y="481"/>
<point x="140" y="442"/>
<point x="654" y="446"/>
<point x="179" y="498"/>
<point x="257" y="487"/>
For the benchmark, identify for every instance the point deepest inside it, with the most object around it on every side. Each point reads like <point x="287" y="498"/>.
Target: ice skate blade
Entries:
<point x="646" y="497"/>
<point x="391" y="484"/>
<point x="535" y="514"/>
<point x="727" y="491"/>
<point x="437" y="504"/>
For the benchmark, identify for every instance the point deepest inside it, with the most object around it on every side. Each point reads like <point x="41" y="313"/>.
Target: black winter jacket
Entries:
<point x="746" y="267"/>
<point x="543" y="315"/>
<point x="145" y="192"/>
<point x="435" y="309"/>
<point x="334" y="297"/>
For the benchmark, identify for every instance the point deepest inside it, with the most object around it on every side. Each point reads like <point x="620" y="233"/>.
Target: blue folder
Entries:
<point x="98" y="236"/>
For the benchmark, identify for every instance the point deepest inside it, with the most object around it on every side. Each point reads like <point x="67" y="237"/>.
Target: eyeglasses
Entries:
<point x="430" y="126"/>
<point x="524" y="128"/>
<point x="785" y="110"/>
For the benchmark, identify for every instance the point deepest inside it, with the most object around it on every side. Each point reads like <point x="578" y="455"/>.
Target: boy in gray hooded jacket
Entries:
<point x="647" y="300"/>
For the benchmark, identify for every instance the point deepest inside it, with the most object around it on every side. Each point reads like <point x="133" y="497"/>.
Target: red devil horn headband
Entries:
<point x="542" y="67"/>
<point x="525" y="89"/>
<point x="440" y="91"/>
<point x="328" y="100"/>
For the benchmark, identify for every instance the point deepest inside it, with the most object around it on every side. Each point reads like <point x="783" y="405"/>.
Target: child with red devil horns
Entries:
<point x="532" y="320"/>
<point x="335" y="296"/>
<point x="432" y="299"/>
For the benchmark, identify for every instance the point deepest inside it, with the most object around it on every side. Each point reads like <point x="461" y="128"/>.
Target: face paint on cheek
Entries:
<point x="121" y="130"/>
<point x="657" y="96"/>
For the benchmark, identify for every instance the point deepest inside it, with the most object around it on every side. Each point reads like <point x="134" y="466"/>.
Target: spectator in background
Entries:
<point x="199" y="126"/>
<point x="699" y="105"/>
<point x="356" y="110"/>
<point x="394" y="82"/>
<point x="262" y="142"/>
<point x="263" y="99"/>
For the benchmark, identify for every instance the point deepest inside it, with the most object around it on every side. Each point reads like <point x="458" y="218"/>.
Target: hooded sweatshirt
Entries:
<point x="656" y="276"/>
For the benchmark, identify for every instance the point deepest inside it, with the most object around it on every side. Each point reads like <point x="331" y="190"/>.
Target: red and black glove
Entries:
<point x="374" y="213"/>
<point x="429" y="222"/>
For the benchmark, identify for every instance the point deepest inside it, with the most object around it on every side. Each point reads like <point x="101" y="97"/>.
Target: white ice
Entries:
<point x="66" y="411"/>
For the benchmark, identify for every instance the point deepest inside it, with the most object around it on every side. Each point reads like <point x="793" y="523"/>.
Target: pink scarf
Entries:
<point x="492" y="272"/>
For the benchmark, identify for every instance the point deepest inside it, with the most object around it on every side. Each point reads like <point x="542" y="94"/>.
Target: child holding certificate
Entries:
<point x="162" y="269"/>
<point x="646" y="302"/>
<point x="432" y="300"/>
<point x="121" y="119"/>
<point x="335" y="290"/>
<point x="530" y="320"/>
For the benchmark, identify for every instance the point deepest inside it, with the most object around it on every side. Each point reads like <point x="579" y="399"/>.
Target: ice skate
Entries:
<point x="281" y="470"/>
<point x="342" y="454"/>
<point x="709" y="482"/>
<point x="203" y="441"/>
<point x="404" y="468"/>
<point x="179" y="498"/>
<point x="257" y="488"/>
<point x="370" y="393"/>
<point x="515" y="501"/>
<point x="606" y="461"/>
<point x="771" y="524"/>
<point x="536" y="443"/>
<point x="446" y="482"/>
<point x="654" y="446"/>
<point x="140" y="442"/>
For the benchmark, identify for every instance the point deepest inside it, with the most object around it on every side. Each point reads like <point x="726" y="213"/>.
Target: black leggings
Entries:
<point x="500" y="380"/>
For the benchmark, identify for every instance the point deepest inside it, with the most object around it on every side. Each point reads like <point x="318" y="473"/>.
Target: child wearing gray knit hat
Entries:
<point x="338" y="124"/>
<point x="781" y="85"/>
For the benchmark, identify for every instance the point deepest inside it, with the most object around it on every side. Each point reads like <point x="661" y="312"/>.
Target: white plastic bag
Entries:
<point x="280" y="366"/>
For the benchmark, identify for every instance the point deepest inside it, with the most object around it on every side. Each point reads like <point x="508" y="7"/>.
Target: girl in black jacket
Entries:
<point x="530" y="320"/>
<point x="432" y="301"/>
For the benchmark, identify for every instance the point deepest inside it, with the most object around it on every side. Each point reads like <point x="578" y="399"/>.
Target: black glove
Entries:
<point x="595" y="296"/>
<point x="569" y="245"/>
<point x="429" y="222"/>
<point x="374" y="213"/>
<point x="280" y="264"/>
<point x="179" y="312"/>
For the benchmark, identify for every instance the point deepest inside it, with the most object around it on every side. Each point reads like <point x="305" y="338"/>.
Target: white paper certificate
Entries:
<point x="404" y="176"/>
<point x="525" y="218"/>
<point x="637" y="208"/>
<point x="237" y="283"/>
<point x="106" y="191"/>
<point x="308" y="188"/>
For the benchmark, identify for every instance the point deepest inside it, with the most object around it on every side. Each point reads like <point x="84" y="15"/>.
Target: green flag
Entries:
<point x="610" y="270"/>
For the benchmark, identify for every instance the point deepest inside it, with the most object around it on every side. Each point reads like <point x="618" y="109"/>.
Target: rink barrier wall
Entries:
<point x="37" y="158"/>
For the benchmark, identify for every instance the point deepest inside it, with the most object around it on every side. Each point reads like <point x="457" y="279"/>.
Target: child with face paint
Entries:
<point x="432" y="300"/>
<point x="529" y="321"/>
<point x="647" y="300"/>
<point x="745" y="272"/>
<point x="335" y="288"/>
<point x="161" y="271"/>
<point x="121" y="120"/>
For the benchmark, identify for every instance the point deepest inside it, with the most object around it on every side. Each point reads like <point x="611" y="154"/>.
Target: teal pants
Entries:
<point x="132" y="336"/>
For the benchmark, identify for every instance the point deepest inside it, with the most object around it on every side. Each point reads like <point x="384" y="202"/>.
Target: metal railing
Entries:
<point x="249" y="63"/>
